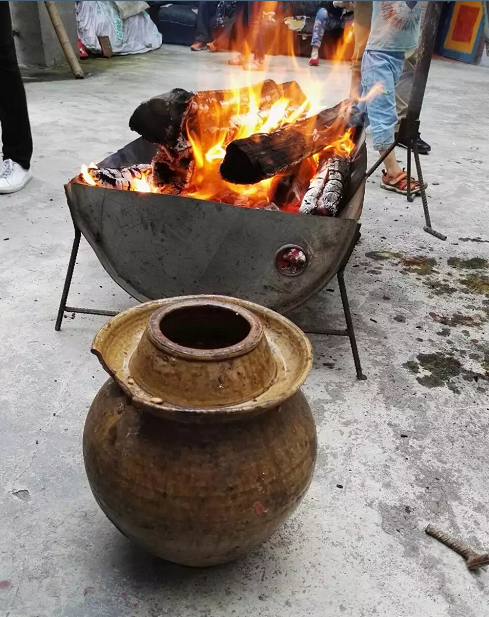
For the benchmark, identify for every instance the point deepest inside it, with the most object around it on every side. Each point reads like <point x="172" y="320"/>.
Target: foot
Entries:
<point x="199" y="46"/>
<point x="213" y="47"/>
<point x="314" y="60"/>
<point x="399" y="184"/>
<point x="13" y="177"/>
<point x="237" y="60"/>
<point x="254" y="65"/>
<point x="423" y="147"/>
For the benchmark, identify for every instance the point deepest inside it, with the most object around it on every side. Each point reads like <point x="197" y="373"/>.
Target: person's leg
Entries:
<point x="256" y="43"/>
<point x="381" y="70"/>
<point x="223" y="40"/>
<point x="14" y="117"/>
<point x="362" y="17"/>
<point x="384" y="69"/>
<point x="203" y="30"/>
<point x="256" y="28"/>
<point x="317" y="35"/>
<point x="405" y="84"/>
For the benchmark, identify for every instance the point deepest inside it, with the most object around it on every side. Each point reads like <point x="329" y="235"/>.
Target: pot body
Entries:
<point x="197" y="494"/>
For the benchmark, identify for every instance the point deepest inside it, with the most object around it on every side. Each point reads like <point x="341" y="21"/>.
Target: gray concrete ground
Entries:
<point x="404" y="448"/>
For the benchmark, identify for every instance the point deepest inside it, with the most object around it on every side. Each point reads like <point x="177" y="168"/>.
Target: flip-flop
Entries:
<point x="400" y="184"/>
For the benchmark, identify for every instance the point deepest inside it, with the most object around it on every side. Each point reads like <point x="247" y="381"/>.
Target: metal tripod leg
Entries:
<point x="69" y="276"/>
<point x="428" y="228"/>
<point x="410" y="196"/>
<point x="349" y="325"/>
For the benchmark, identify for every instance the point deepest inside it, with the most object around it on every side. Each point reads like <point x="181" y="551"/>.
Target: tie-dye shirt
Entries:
<point x="395" y="26"/>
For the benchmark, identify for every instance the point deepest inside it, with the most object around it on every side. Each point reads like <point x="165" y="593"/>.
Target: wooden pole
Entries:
<point x="64" y="41"/>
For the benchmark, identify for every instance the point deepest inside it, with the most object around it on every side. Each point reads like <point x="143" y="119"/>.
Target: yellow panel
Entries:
<point x="465" y="48"/>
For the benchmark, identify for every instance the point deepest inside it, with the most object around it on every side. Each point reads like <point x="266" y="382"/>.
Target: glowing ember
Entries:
<point x="143" y="185"/>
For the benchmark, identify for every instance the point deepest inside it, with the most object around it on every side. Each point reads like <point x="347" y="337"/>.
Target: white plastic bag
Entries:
<point x="134" y="35"/>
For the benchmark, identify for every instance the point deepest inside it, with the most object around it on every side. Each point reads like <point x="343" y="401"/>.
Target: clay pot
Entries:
<point x="201" y="444"/>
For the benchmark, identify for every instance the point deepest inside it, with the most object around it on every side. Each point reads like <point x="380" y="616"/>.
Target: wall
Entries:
<point x="36" y="41"/>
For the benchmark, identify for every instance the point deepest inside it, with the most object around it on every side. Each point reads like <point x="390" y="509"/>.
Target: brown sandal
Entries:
<point x="400" y="184"/>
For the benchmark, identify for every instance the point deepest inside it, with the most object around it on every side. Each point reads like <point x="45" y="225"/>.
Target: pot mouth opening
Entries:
<point x="206" y="329"/>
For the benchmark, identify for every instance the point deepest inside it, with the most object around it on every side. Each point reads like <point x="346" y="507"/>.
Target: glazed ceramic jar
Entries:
<point x="201" y="443"/>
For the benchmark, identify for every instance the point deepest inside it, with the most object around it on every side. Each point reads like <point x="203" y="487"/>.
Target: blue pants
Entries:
<point x="384" y="69"/>
<point x="324" y="21"/>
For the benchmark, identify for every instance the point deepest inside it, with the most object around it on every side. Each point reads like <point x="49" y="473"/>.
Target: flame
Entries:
<point x="85" y="172"/>
<point x="143" y="185"/>
<point x="216" y="123"/>
<point x="241" y="115"/>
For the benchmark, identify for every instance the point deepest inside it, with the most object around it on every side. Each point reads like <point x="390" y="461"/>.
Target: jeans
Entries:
<point x="324" y="21"/>
<point x="14" y="118"/>
<point x="383" y="69"/>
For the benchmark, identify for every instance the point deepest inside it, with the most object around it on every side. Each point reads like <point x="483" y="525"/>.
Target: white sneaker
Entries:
<point x="13" y="177"/>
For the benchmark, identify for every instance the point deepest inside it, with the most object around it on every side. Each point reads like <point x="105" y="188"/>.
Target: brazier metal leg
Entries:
<point x="349" y="330"/>
<point x="424" y="198"/>
<point x="69" y="276"/>
<point x="349" y="325"/>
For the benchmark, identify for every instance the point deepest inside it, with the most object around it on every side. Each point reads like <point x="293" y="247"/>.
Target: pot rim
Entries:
<point x="162" y="342"/>
<point x="289" y="345"/>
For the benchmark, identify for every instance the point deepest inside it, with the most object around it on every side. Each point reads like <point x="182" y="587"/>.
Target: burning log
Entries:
<point x="326" y="189"/>
<point x="263" y="155"/>
<point x="121" y="179"/>
<point x="165" y="119"/>
<point x="289" y="189"/>
<point x="171" y="169"/>
<point x="213" y="116"/>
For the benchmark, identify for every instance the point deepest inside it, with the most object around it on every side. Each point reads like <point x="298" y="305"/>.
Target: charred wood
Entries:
<point x="164" y="119"/>
<point x="172" y="168"/>
<point x="326" y="189"/>
<point x="289" y="189"/>
<point x="120" y="178"/>
<point x="263" y="155"/>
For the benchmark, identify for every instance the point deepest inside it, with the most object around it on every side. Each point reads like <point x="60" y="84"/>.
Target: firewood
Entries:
<point x="288" y="190"/>
<point x="164" y="119"/>
<point x="261" y="155"/>
<point x="120" y="178"/>
<point x="326" y="189"/>
<point x="173" y="168"/>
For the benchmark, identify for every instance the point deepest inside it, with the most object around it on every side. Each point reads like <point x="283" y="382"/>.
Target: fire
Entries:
<point x="343" y="146"/>
<point x="207" y="182"/>
<point x="85" y="172"/>
<point x="143" y="185"/>
<point x="218" y="123"/>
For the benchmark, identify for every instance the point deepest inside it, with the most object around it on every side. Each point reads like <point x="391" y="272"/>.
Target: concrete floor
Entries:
<point x="407" y="447"/>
